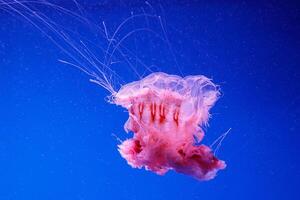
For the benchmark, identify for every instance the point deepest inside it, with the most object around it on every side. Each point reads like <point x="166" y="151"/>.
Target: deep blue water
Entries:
<point x="56" y="127"/>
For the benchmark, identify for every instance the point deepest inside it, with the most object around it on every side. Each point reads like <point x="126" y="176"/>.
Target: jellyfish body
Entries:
<point x="166" y="113"/>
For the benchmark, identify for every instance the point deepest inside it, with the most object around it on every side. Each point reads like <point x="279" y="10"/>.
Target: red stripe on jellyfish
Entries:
<point x="165" y="115"/>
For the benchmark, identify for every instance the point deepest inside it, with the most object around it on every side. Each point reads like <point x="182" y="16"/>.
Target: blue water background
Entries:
<point x="56" y="127"/>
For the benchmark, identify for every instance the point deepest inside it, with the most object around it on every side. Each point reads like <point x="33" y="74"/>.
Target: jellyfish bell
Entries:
<point x="165" y="115"/>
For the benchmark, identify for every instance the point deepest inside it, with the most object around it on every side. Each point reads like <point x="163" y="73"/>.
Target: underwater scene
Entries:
<point x="175" y="99"/>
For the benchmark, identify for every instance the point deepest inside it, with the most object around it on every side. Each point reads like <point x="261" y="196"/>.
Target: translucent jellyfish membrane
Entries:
<point x="166" y="113"/>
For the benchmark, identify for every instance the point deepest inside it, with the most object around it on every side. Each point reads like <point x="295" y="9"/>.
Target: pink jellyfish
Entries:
<point x="165" y="116"/>
<point x="166" y="112"/>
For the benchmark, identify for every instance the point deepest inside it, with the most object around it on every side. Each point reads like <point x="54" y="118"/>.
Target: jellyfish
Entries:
<point x="166" y="113"/>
